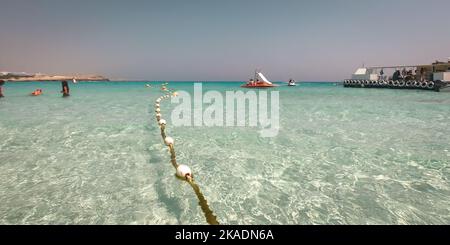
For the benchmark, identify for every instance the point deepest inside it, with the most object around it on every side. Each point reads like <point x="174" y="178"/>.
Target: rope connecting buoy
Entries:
<point x="182" y="171"/>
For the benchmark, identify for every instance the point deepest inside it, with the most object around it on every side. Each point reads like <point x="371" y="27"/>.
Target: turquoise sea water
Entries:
<point x="342" y="156"/>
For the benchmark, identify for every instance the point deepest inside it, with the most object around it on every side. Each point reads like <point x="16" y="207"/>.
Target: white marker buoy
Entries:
<point x="169" y="141"/>
<point x="162" y="122"/>
<point x="158" y="110"/>
<point x="183" y="171"/>
<point x="158" y="100"/>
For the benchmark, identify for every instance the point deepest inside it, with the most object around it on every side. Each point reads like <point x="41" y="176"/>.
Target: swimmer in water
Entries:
<point x="1" y="88"/>
<point x="37" y="92"/>
<point x="65" y="89"/>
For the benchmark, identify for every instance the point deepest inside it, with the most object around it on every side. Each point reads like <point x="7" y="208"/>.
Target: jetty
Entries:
<point x="434" y="77"/>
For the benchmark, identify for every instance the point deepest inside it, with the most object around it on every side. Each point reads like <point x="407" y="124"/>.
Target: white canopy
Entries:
<point x="262" y="77"/>
<point x="361" y="71"/>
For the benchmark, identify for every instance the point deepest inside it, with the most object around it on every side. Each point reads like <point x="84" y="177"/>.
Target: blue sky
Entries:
<point x="320" y="40"/>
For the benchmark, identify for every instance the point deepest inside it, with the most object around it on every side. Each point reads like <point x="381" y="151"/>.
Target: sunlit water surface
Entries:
<point x="342" y="156"/>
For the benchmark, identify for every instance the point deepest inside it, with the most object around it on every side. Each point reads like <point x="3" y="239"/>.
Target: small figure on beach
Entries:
<point x="65" y="89"/>
<point x="1" y="88"/>
<point x="37" y="92"/>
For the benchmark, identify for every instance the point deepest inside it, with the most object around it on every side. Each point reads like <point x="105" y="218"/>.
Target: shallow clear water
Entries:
<point x="342" y="156"/>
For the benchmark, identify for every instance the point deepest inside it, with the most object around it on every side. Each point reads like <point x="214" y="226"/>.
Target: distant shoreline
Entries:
<point x="55" y="81"/>
<point x="50" y="78"/>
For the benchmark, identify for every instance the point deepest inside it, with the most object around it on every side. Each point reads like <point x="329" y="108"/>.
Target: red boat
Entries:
<point x="260" y="81"/>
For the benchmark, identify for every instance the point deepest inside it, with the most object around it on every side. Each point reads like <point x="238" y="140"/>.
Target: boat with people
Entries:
<point x="258" y="81"/>
<point x="292" y="83"/>
<point x="435" y="77"/>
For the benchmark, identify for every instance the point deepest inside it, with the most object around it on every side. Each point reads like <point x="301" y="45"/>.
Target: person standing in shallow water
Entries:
<point x="1" y="88"/>
<point x="65" y="89"/>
